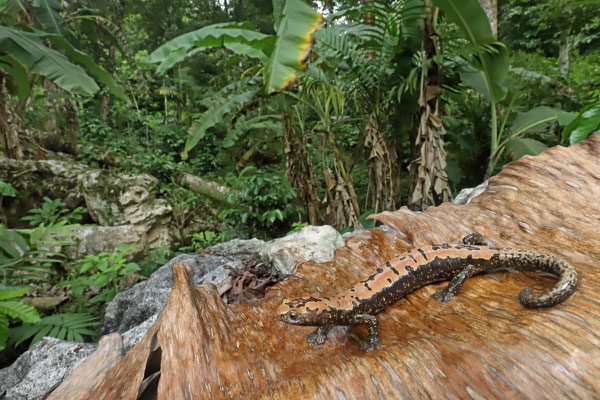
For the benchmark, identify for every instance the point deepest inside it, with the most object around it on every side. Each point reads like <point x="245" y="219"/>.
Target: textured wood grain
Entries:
<point x="88" y="375"/>
<point x="482" y="344"/>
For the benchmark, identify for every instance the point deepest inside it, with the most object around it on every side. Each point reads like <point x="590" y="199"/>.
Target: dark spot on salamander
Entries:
<point x="367" y="286"/>
<point x="423" y="254"/>
<point x="440" y="246"/>
<point x="494" y="248"/>
<point x="410" y="255"/>
<point x="389" y="280"/>
<point x="409" y="269"/>
<point x="379" y="270"/>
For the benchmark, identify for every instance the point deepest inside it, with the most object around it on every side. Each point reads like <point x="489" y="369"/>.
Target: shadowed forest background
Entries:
<point x="248" y="131"/>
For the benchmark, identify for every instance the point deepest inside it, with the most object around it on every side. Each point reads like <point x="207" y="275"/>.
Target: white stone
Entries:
<point x="311" y="243"/>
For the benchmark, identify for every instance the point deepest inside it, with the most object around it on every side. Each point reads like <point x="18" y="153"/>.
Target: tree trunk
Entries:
<point x="429" y="182"/>
<point x="300" y="171"/>
<point x="10" y="124"/>
<point x="491" y="10"/>
<point x="207" y="188"/>
<point x="563" y="52"/>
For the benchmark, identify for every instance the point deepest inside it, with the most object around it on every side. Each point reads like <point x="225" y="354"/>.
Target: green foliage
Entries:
<point x="487" y="67"/>
<point x="294" y="33"/>
<point x="297" y="227"/>
<point x="11" y="307"/>
<point x="66" y="326"/>
<point x="53" y="211"/>
<point x="7" y="190"/>
<point x="201" y="240"/>
<point x="217" y="35"/>
<point x="104" y="273"/>
<point x="155" y="259"/>
<point x="215" y="115"/>
<point x="584" y="124"/>
<point x="264" y="201"/>
<point x="26" y="254"/>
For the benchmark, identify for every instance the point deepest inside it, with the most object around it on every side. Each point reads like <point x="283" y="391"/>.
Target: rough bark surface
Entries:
<point x="483" y="344"/>
<point x="79" y="384"/>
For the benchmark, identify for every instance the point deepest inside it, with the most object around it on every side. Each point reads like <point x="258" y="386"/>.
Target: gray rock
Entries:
<point x="128" y="200"/>
<point x="466" y="195"/>
<point x="132" y="307"/>
<point x="311" y="243"/>
<point x="93" y="239"/>
<point x="41" y="368"/>
<point x="137" y="333"/>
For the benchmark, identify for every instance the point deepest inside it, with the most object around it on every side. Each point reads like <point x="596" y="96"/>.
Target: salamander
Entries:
<point x="419" y="267"/>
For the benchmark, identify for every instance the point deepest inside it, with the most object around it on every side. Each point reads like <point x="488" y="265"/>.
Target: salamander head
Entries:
<point x="301" y="311"/>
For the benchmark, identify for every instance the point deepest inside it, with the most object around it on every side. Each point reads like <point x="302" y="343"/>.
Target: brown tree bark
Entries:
<point x="10" y="124"/>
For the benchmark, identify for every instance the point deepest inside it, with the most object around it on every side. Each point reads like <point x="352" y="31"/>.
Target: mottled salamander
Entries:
<point x="417" y="268"/>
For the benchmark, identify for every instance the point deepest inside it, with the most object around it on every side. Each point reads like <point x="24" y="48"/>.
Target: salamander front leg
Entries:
<point x="372" y="342"/>
<point x="319" y="336"/>
<point x="445" y="294"/>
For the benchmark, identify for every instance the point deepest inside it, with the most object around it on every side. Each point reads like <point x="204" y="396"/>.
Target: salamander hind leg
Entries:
<point x="446" y="293"/>
<point x="318" y="336"/>
<point x="372" y="342"/>
<point x="475" y="239"/>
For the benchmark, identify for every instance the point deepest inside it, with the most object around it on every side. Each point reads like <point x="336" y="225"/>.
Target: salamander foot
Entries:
<point x="319" y="336"/>
<point x="372" y="343"/>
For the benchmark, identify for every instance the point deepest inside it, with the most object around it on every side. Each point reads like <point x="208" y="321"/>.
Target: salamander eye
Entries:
<point x="293" y="314"/>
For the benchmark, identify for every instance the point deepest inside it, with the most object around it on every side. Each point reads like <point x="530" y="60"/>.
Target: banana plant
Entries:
<point x="281" y="56"/>
<point x="486" y="68"/>
<point x="23" y="51"/>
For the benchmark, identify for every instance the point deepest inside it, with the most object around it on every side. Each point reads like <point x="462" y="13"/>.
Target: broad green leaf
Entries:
<point x="87" y="61"/>
<point x="20" y="310"/>
<point x="246" y="49"/>
<point x="487" y="73"/>
<point x="3" y="4"/>
<point x="12" y="293"/>
<point x="29" y="50"/>
<point x="278" y="6"/>
<point x="7" y="190"/>
<point x="294" y="41"/>
<point x="213" y="116"/>
<point x="534" y="119"/>
<point x="47" y="12"/>
<point x="18" y="73"/>
<point x="517" y="147"/>
<point x="216" y="35"/>
<point x="586" y="123"/>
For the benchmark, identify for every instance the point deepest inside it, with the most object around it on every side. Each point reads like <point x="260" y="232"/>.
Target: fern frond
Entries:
<point x="20" y="310"/>
<point x="69" y="326"/>
<point x="11" y="293"/>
